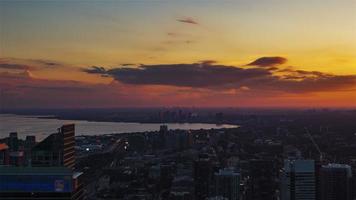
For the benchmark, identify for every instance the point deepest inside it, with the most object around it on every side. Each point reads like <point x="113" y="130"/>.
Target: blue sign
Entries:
<point x="35" y="183"/>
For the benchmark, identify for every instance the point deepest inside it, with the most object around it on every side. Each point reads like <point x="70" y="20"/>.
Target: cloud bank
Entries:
<point x="205" y="83"/>
<point x="207" y="74"/>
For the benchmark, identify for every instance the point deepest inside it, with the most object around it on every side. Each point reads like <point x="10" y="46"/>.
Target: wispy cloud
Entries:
<point x="188" y="20"/>
<point x="268" y="61"/>
<point x="12" y="66"/>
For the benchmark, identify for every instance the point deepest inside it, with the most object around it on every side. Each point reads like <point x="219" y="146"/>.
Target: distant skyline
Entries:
<point x="135" y="53"/>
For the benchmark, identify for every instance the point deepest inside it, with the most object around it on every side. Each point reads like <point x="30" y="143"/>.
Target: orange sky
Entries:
<point x="153" y="53"/>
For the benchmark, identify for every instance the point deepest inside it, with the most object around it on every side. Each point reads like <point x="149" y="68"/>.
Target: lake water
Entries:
<point x="32" y="125"/>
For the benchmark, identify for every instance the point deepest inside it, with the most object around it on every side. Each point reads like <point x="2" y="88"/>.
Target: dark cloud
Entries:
<point x="268" y="61"/>
<point x="128" y="64"/>
<point x="46" y="63"/>
<point x="95" y="70"/>
<point x="13" y="66"/>
<point x="188" y="20"/>
<point x="70" y="88"/>
<point x="23" y="91"/>
<point x="302" y="74"/>
<point x="187" y="75"/>
<point x="207" y="75"/>
<point x="208" y="62"/>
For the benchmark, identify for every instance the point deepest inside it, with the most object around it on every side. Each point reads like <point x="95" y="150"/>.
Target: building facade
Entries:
<point x="227" y="184"/>
<point x="335" y="182"/>
<point x="298" y="180"/>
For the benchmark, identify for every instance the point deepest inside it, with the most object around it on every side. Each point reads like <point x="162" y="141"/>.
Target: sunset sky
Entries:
<point x="201" y="53"/>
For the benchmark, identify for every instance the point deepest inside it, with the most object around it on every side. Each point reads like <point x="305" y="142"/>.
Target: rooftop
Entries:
<point x="52" y="142"/>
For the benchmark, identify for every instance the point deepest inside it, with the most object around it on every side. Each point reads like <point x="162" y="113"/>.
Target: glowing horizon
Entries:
<point x="182" y="53"/>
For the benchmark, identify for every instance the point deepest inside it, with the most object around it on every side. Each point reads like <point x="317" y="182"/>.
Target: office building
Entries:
<point x="227" y="184"/>
<point x="298" y="180"/>
<point x="13" y="142"/>
<point x="261" y="183"/>
<point x="335" y="182"/>
<point x="16" y="154"/>
<point x="203" y="172"/>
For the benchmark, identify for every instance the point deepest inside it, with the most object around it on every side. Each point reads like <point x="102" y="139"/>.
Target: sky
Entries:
<point x="196" y="53"/>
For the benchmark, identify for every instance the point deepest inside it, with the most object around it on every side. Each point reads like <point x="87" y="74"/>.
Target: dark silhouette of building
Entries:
<point x="261" y="184"/>
<point x="227" y="184"/>
<point x="30" y="142"/>
<point x="162" y="136"/>
<point x="13" y="142"/>
<point x="335" y="182"/>
<point x="56" y="150"/>
<point x="48" y="152"/>
<point x="16" y="155"/>
<point x="203" y="171"/>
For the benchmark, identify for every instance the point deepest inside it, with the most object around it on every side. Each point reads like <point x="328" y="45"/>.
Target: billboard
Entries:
<point x="36" y="183"/>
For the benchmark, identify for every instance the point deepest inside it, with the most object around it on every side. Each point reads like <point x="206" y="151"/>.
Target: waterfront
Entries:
<point x="42" y="127"/>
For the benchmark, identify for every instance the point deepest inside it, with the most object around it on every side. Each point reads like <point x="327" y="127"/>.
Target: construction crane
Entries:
<point x="315" y="144"/>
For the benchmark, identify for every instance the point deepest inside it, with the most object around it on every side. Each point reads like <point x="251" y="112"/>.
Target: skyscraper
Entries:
<point x="30" y="142"/>
<point x="261" y="184"/>
<point x="227" y="184"/>
<point x="68" y="132"/>
<point x="203" y="171"/>
<point x="16" y="154"/>
<point x="335" y="182"/>
<point x="13" y="142"/>
<point x="298" y="180"/>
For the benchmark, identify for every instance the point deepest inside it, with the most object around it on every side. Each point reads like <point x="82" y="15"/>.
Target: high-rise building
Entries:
<point x="13" y="142"/>
<point x="56" y="150"/>
<point x="203" y="172"/>
<point x="227" y="184"/>
<point x="16" y="155"/>
<point x="335" y="182"/>
<point x="162" y="136"/>
<point x="261" y="183"/>
<point x="30" y="142"/>
<point x="68" y="133"/>
<point x="298" y="180"/>
<point x="59" y="183"/>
